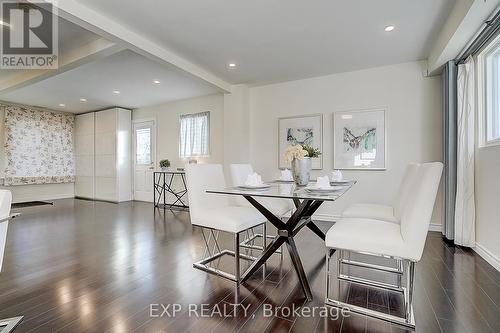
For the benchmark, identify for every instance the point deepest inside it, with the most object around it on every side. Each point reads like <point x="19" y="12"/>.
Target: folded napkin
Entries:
<point x="323" y="183"/>
<point x="286" y="175"/>
<point x="337" y="176"/>
<point x="254" y="179"/>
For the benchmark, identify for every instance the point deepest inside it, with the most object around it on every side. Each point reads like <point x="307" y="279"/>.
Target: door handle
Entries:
<point x="151" y="168"/>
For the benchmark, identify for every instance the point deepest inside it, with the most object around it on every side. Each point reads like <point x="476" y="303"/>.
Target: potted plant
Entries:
<point x="300" y="158"/>
<point x="164" y="165"/>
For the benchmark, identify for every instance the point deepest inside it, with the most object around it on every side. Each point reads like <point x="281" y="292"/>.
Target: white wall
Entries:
<point x="167" y="126"/>
<point x="413" y="118"/>
<point x="488" y="204"/>
<point x="236" y="126"/>
<point x="22" y="193"/>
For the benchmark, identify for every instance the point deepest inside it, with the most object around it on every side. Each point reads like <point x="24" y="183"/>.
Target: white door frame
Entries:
<point x="153" y="153"/>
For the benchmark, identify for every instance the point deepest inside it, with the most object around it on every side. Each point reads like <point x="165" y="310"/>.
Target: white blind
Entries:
<point x="194" y="136"/>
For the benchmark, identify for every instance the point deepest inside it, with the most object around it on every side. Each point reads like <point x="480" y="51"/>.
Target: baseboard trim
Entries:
<point x="436" y="227"/>
<point x="44" y="198"/>
<point x="488" y="256"/>
<point x="333" y="218"/>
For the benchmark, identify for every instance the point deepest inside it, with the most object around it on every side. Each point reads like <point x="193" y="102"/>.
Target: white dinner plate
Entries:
<point x="254" y="187"/>
<point x="284" y="181"/>
<point x="321" y="190"/>
<point x="342" y="182"/>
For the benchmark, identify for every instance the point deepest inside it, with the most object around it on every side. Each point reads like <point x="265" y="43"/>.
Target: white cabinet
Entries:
<point x="110" y="161"/>
<point x="84" y="155"/>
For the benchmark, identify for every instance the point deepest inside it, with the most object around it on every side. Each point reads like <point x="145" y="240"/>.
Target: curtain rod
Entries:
<point x="489" y="29"/>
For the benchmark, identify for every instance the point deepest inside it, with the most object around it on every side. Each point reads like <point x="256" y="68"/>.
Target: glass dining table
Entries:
<point x="306" y="202"/>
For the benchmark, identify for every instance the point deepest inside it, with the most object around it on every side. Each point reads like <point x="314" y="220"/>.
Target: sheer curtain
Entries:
<point x="465" y="207"/>
<point x="38" y="146"/>
<point x="194" y="136"/>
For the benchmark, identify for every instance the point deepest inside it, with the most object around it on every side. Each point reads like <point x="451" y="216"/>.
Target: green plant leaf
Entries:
<point x="311" y="151"/>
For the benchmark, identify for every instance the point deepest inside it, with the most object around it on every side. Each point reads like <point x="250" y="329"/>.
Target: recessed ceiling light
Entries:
<point x="346" y="116"/>
<point x="389" y="28"/>
<point x="232" y="65"/>
<point x="156" y="81"/>
<point x="116" y="92"/>
<point x="83" y="100"/>
<point x="62" y="105"/>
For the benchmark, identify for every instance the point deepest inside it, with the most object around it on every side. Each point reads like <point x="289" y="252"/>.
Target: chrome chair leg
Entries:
<point x="264" y="246"/>
<point x="237" y="274"/>
<point x="340" y="257"/>
<point x="400" y="269"/>
<point x="207" y="243"/>
<point x="409" y="292"/>
<point x="327" y="287"/>
<point x="206" y="264"/>
<point x="237" y="257"/>
<point x="215" y="237"/>
<point x="407" y="321"/>
<point x="249" y="242"/>
<point x="211" y="236"/>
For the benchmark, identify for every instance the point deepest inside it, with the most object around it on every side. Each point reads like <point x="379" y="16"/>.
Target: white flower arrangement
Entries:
<point x="296" y="151"/>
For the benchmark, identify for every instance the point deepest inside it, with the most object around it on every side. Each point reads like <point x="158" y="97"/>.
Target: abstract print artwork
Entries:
<point x="359" y="140"/>
<point x="303" y="136"/>
<point x="304" y="130"/>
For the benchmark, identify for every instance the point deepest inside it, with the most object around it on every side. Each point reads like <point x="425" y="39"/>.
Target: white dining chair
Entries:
<point x="214" y="213"/>
<point x="389" y="213"/>
<point x="404" y="241"/>
<point x="239" y="175"/>
<point x="5" y="203"/>
<point x="279" y="207"/>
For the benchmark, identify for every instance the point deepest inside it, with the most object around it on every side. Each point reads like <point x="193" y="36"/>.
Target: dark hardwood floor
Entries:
<point x="83" y="266"/>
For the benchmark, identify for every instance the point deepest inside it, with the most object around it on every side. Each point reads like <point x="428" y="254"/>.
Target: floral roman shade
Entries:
<point x="38" y="146"/>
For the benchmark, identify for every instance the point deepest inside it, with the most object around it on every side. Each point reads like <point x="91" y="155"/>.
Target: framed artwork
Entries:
<point x="306" y="130"/>
<point x="359" y="140"/>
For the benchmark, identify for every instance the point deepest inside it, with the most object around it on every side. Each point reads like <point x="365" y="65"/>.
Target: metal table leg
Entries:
<point x="294" y="255"/>
<point x="286" y="233"/>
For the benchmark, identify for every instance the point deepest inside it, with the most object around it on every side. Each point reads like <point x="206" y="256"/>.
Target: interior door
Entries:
<point x="144" y="159"/>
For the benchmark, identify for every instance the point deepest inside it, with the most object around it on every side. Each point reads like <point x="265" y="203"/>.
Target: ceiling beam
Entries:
<point x="108" y="28"/>
<point x="464" y="21"/>
<point x="84" y="54"/>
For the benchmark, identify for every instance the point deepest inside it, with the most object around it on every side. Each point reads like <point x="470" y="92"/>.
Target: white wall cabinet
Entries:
<point x="103" y="155"/>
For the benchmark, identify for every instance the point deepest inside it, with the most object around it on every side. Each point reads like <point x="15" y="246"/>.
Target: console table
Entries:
<point x="163" y="186"/>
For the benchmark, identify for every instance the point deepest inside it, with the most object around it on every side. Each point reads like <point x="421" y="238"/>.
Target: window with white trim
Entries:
<point x="194" y="135"/>
<point x="489" y="89"/>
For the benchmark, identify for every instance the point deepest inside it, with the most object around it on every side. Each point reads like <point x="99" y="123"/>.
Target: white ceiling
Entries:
<point x="280" y="40"/>
<point x="126" y="71"/>
<point x="269" y="40"/>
